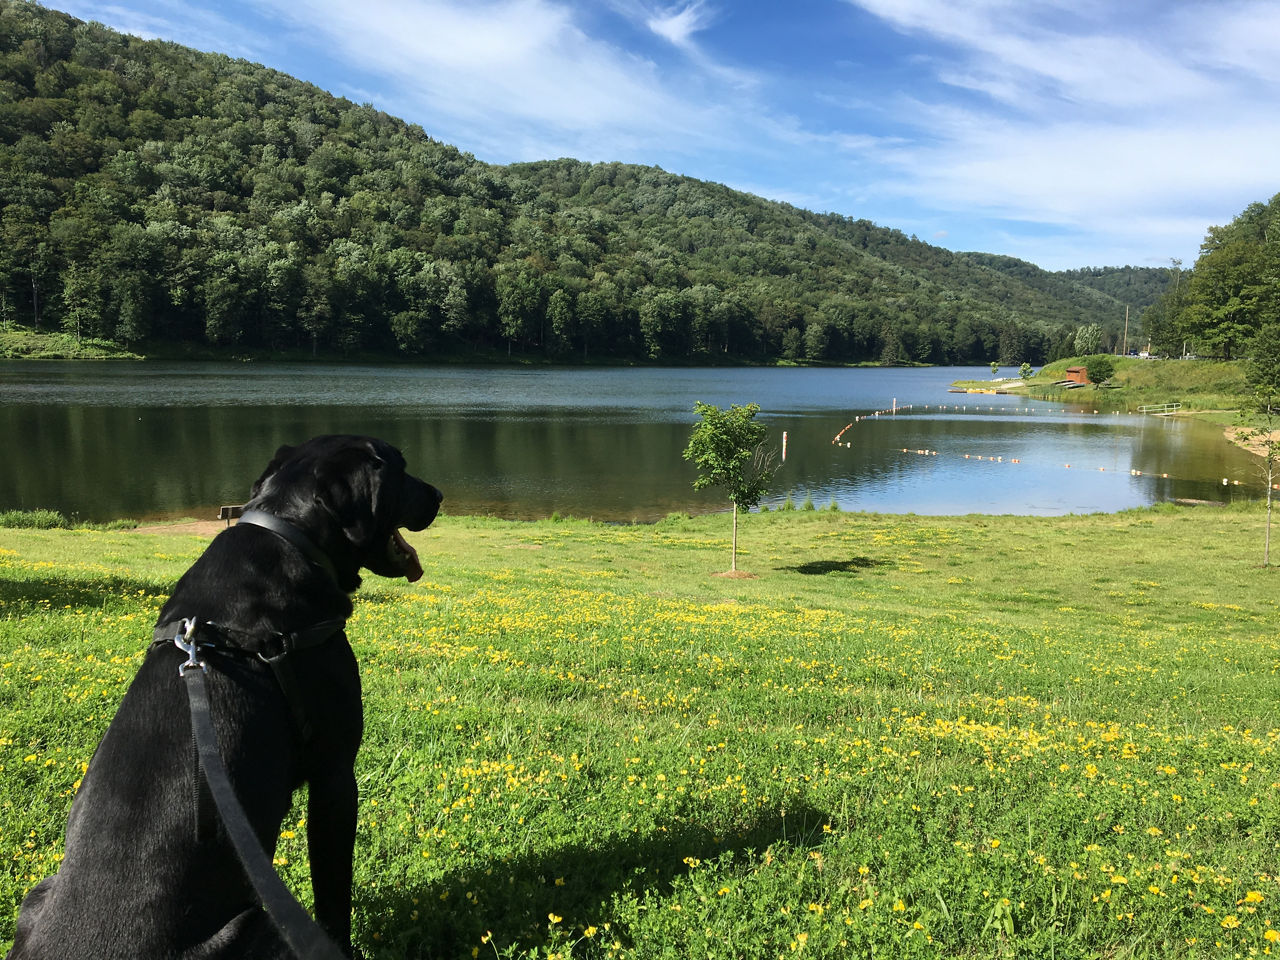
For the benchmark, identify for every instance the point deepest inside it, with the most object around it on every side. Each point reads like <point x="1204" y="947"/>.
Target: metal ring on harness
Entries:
<point x="190" y="647"/>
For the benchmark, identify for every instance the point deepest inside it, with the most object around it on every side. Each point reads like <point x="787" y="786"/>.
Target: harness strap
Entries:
<point x="287" y="677"/>
<point x="300" y="932"/>
<point x="286" y="530"/>
<point x="273" y="649"/>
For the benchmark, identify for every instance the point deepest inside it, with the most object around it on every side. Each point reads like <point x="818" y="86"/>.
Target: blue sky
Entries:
<point x="1066" y="132"/>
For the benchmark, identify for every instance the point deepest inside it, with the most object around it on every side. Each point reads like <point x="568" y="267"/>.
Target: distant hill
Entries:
<point x="155" y="194"/>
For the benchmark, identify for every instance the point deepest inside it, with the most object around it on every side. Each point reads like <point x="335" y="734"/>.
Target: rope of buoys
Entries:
<point x="960" y="407"/>
<point x="1226" y="481"/>
<point x="963" y="408"/>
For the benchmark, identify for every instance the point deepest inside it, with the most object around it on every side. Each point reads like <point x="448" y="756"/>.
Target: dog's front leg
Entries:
<point x="331" y="838"/>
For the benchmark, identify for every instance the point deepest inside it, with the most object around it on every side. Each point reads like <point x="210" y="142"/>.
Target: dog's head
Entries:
<point x="351" y="496"/>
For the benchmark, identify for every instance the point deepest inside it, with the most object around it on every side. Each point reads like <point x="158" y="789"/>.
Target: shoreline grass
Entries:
<point x="909" y="736"/>
<point x="1205" y="388"/>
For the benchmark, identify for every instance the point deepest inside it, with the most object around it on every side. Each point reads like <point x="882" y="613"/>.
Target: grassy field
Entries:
<point x="1199" y="385"/>
<point x="906" y="736"/>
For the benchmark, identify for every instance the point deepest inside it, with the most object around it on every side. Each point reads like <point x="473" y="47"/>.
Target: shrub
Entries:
<point x="1100" y="367"/>
<point x="34" y="520"/>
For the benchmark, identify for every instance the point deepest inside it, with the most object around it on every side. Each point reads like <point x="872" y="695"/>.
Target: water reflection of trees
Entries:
<point x="103" y="462"/>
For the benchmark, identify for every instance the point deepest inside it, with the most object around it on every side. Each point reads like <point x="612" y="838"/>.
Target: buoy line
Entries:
<point x="965" y="408"/>
<point x="1226" y="481"/>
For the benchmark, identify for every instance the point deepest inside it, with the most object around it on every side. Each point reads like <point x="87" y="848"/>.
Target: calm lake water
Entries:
<point x="105" y="440"/>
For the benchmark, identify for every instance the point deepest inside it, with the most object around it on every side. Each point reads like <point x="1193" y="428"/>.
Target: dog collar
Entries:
<point x="287" y="531"/>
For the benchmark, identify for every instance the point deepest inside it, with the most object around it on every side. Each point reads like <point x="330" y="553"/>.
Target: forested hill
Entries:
<point x="149" y="192"/>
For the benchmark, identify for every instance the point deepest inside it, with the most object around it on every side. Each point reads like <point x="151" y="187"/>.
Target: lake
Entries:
<point x="102" y="440"/>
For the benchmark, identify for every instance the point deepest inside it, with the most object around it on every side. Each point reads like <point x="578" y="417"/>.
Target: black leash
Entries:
<point x="300" y="931"/>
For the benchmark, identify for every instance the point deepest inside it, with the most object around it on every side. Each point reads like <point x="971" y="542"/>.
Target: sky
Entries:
<point x="1069" y="133"/>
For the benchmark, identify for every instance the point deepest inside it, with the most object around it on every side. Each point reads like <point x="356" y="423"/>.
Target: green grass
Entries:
<point x="33" y="519"/>
<point x="24" y="343"/>
<point x="45" y="519"/>
<point x="907" y="736"/>
<point x="1199" y="385"/>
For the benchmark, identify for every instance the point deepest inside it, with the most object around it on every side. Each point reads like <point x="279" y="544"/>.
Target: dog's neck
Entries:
<point x="285" y="529"/>
<point x="243" y="587"/>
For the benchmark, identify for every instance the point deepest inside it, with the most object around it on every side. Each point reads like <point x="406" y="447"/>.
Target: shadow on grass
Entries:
<point x="816" y="568"/>
<point x="45" y="593"/>
<point x="511" y="900"/>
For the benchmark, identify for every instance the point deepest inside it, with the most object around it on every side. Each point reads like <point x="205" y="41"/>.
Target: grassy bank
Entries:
<point x="20" y="343"/>
<point x="907" y="736"/>
<point x="1199" y="385"/>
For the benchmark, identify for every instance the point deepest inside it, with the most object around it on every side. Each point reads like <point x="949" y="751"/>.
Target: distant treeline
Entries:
<point x="1233" y="292"/>
<point x="151" y="193"/>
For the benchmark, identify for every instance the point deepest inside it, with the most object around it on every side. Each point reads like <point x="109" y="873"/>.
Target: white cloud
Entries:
<point x="677" y="25"/>
<point x="1242" y="37"/>
<point x="510" y="73"/>
<point x="175" y="21"/>
<point x="1007" y="50"/>
<point x="1127" y="136"/>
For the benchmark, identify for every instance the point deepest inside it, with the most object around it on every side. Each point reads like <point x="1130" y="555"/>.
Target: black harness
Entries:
<point x="196" y="637"/>
<point x="273" y="649"/>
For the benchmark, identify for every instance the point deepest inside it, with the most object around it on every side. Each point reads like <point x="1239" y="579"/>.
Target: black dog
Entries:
<point x="149" y="871"/>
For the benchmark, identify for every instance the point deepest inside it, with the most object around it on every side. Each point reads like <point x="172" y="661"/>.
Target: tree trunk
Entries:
<point x="733" y="555"/>
<point x="1266" y="543"/>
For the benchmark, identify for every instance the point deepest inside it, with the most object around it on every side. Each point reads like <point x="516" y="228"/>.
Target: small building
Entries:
<point x="1077" y="374"/>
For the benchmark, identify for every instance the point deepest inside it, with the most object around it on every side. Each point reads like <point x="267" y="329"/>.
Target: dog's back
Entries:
<point x="148" y="871"/>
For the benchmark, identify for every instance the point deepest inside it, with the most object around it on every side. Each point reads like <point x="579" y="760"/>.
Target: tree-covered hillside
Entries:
<point x="150" y="192"/>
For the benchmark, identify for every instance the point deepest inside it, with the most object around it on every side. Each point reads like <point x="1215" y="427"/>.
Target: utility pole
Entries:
<point x="1126" y="330"/>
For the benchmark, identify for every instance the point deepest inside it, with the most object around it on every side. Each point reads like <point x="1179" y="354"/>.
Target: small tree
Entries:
<point x="727" y="447"/>
<point x="995" y="368"/>
<point x="1100" y="367"/>
<point x="1261" y="431"/>
<point x="1025" y="371"/>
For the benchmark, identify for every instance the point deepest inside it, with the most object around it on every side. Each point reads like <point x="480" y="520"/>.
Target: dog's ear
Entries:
<point x="282" y="454"/>
<point x="350" y="484"/>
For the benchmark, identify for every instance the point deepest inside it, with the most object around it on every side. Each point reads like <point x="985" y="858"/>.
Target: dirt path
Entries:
<point x="196" y="528"/>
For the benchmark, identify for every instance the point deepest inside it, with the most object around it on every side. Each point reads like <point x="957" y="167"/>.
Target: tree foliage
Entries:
<point x="151" y="192"/>
<point x="1088" y="338"/>
<point x="1232" y="292"/>
<point x="1260" y="424"/>
<point x="728" y="448"/>
<point x="1100" y="367"/>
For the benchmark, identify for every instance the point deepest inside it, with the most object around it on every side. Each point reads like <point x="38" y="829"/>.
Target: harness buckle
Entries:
<point x="184" y="642"/>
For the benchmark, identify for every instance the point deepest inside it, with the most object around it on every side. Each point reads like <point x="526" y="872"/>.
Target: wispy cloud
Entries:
<point x="1024" y="52"/>
<point x="677" y="25"/>
<point x="185" y="23"/>
<point x="508" y="73"/>
<point x="1083" y="124"/>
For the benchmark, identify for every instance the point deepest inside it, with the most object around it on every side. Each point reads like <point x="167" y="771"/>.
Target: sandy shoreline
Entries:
<point x="1233" y="435"/>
